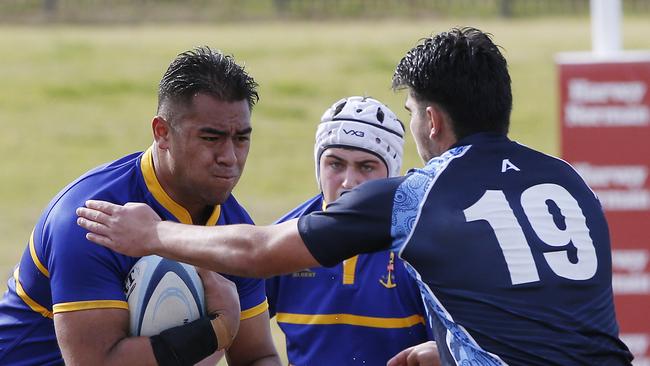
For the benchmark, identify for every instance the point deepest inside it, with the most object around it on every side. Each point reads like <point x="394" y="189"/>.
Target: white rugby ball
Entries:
<point x="162" y="294"/>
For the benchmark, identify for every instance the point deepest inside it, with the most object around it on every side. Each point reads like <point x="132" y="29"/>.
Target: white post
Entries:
<point x="605" y="27"/>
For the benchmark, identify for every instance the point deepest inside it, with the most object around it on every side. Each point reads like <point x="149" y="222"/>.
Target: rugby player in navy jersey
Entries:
<point x="65" y="302"/>
<point x="510" y="246"/>
<point x="339" y="315"/>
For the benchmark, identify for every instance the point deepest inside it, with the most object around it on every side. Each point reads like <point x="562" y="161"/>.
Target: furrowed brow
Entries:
<point x="213" y="131"/>
<point x="245" y="131"/>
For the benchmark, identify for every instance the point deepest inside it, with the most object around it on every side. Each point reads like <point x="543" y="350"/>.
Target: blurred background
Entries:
<point x="78" y="80"/>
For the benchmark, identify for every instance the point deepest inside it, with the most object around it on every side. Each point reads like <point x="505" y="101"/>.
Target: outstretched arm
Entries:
<point x="244" y="250"/>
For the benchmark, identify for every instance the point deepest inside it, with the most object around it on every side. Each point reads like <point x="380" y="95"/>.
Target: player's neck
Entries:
<point x="199" y="212"/>
<point x="200" y="217"/>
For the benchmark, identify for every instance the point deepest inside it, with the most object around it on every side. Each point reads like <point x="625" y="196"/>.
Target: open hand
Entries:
<point x="128" y="229"/>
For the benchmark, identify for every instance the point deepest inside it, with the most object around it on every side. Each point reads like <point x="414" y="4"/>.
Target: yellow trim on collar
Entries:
<point x="350" y="319"/>
<point x="212" y="220"/>
<point x="37" y="262"/>
<point x="28" y="300"/>
<point x="150" y="179"/>
<point x="87" y="305"/>
<point x="254" y="311"/>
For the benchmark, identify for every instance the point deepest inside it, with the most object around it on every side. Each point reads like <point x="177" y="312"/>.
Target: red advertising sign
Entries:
<point x="605" y="119"/>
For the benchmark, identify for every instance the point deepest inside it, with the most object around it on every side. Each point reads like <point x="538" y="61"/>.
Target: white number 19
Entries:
<point x="494" y="208"/>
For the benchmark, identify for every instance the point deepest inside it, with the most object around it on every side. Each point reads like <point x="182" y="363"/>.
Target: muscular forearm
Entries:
<point x="129" y="351"/>
<point x="81" y="344"/>
<point x="226" y="249"/>
<point x="244" y="250"/>
<point x="254" y="344"/>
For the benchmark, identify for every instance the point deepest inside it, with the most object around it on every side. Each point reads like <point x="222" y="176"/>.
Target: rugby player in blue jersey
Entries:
<point x="339" y="315"/>
<point x="510" y="247"/>
<point x="65" y="302"/>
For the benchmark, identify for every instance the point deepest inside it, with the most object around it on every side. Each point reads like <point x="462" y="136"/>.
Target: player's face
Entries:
<point x="342" y="169"/>
<point x="208" y="150"/>
<point x="420" y="128"/>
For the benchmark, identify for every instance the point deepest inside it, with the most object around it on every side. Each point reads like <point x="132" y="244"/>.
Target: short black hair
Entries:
<point x="204" y="71"/>
<point x="464" y="73"/>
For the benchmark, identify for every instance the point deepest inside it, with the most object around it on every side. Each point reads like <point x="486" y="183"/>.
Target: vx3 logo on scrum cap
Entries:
<point x="354" y="133"/>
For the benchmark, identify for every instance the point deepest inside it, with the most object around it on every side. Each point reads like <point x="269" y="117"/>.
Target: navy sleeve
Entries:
<point x="358" y="222"/>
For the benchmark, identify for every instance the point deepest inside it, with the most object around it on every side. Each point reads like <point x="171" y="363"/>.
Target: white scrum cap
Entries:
<point x="362" y="123"/>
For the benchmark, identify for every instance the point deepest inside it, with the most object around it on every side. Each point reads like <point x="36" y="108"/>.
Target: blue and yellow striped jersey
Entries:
<point x="61" y="271"/>
<point x="360" y="312"/>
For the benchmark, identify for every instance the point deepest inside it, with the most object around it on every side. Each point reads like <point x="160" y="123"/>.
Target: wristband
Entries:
<point x="186" y="344"/>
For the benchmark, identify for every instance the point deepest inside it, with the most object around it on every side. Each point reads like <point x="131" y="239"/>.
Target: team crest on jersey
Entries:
<point x="305" y="273"/>
<point x="388" y="280"/>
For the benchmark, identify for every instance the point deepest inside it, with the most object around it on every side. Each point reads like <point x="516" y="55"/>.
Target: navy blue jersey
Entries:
<point x="510" y="247"/>
<point x="362" y="311"/>
<point x="61" y="271"/>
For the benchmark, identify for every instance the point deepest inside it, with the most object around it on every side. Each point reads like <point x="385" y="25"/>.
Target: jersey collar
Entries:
<point x="480" y="137"/>
<point x="159" y="194"/>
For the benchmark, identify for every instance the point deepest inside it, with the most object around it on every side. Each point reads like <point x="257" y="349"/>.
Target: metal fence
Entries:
<point x="130" y="11"/>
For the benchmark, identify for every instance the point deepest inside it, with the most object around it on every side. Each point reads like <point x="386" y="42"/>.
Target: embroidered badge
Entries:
<point x="387" y="281"/>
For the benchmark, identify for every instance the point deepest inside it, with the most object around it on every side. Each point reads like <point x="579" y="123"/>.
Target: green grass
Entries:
<point x="74" y="97"/>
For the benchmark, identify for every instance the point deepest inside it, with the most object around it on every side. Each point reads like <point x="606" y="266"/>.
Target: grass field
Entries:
<point x="74" y="97"/>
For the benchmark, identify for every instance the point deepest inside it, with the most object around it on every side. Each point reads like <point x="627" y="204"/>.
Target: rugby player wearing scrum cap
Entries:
<point x="366" y="309"/>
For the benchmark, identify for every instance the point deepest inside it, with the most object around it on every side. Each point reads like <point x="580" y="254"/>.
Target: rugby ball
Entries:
<point x="162" y="294"/>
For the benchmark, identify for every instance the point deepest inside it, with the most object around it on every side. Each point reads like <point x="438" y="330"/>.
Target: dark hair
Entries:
<point x="204" y="71"/>
<point x="464" y="73"/>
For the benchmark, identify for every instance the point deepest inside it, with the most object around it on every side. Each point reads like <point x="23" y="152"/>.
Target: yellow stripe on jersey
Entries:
<point x="349" y="265"/>
<point x="28" y="300"/>
<point x="156" y="189"/>
<point x="37" y="262"/>
<point x="350" y="319"/>
<point x="349" y="268"/>
<point x="254" y="311"/>
<point x="88" y="305"/>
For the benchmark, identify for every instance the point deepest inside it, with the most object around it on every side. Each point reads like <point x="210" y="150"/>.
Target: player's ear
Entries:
<point x="441" y="126"/>
<point x="435" y="118"/>
<point x="161" y="131"/>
